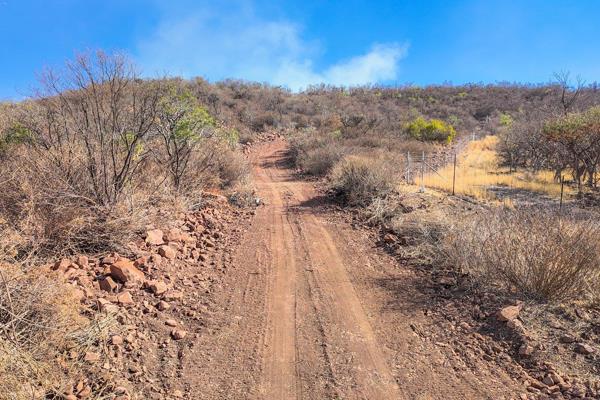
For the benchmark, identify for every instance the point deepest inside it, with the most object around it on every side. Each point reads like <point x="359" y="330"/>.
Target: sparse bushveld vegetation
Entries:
<point x="99" y="155"/>
<point x="85" y="164"/>
<point x="84" y="160"/>
<point x="538" y="254"/>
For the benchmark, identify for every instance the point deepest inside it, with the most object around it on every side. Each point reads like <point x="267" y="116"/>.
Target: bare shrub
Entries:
<point x="38" y="203"/>
<point x="91" y="121"/>
<point x="316" y="153"/>
<point x="321" y="160"/>
<point x="39" y="323"/>
<point x="360" y="180"/>
<point x="232" y="167"/>
<point x="534" y="252"/>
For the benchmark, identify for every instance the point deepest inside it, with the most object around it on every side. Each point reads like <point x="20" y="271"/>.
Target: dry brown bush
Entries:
<point x="359" y="180"/>
<point x="72" y="183"/>
<point x="321" y="160"/>
<point x="232" y="167"/>
<point x="316" y="153"/>
<point x="40" y="325"/>
<point x="536" y="253"/>
<point x="52" y="218"/>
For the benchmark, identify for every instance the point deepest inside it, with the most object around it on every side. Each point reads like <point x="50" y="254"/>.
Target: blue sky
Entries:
<point x="297" y="43"/>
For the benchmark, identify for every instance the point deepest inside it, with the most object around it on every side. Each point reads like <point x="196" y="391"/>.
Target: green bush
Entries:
<point x="433" y="130"/>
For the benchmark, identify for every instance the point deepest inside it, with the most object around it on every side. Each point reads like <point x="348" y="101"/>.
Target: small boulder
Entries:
<point x="584" y="348"/>
<point x="171" y="323"/>
<point x="174" y="235"/>
<point x="167" y="252"/>
<point x="125" y="298"/>
<point x="124" y="271"/>
<point x="62" y="265"/>
<point x="107" y="284"/>
<point x="158" y="287"/>
<point x="83" y="261"/>
<point x="163" y="305"/>
<point x="154" y="237"/>
<point x="509" y="313"/>
<point x="568" y="338"/>
<point x="525" y="350"/>
<point x="178" y="334"/>
<point x="141" y="261"/>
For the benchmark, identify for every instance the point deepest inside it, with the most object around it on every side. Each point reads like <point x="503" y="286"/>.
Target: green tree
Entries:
<point x="433" y="130"/>
<point x="183" y="125"/>
<point x="575" y="141"/>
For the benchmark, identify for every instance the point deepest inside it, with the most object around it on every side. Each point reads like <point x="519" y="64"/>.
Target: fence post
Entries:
<point x="408" y="181"/>
<point x="423" y="173"/>
<point x="454" y="175"/>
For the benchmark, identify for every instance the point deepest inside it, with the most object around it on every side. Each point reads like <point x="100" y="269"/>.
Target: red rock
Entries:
<point x="174" y="235"/>
<point x="584" y="348"/>
<point x="110" y="259"/>
<point x="83" y="261"/>
<point x="91" y="357"/>
<point x="525" y="350"/>
<point x="154" y="237"/>
<point x="178" y="334"/>
<point x="124" y="271"/>
<point x="116" y="340"/>
<point x="156" y="258"/>
<point x="62" y="265"/>
<point x="163" y="305"/>
<point x="107" y="284"/>
<point x="509" y="313"/>
<point x="125" y="298"/>
<point x="173" y="295"/>
<point x="171" y="323"/>
<point x="167" y="252"/>
<point x="158" y="287"/>
<point x="141" y="261"/>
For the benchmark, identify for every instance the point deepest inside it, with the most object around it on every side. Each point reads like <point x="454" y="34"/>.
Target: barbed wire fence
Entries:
<point x="446" y="165"/>
<point x="418" y="166"/>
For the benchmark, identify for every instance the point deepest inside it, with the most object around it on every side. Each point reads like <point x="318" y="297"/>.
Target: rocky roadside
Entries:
<point x="149" y="307"/>
<point x="553" y="350"/>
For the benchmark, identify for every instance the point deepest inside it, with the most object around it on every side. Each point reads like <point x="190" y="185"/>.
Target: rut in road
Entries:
<point x="297" y="326"/>
<point x="296" y="234"/>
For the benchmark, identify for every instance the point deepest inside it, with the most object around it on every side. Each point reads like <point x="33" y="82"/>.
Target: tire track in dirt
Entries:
<point x="279" y="373"/>
<point x="305" y="318"/>
<point x="364" y="369"/>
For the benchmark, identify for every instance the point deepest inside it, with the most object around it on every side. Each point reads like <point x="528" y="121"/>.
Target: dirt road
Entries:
<point x="312" y="311"/>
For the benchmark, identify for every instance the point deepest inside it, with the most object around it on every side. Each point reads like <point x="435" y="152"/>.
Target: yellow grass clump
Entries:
<point x="478" y="168"/>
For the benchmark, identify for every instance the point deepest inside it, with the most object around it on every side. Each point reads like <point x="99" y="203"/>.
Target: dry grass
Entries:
<point x="533" y="253"/>
<point x="40" y="328"/>
<point x="478" y="168"/>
